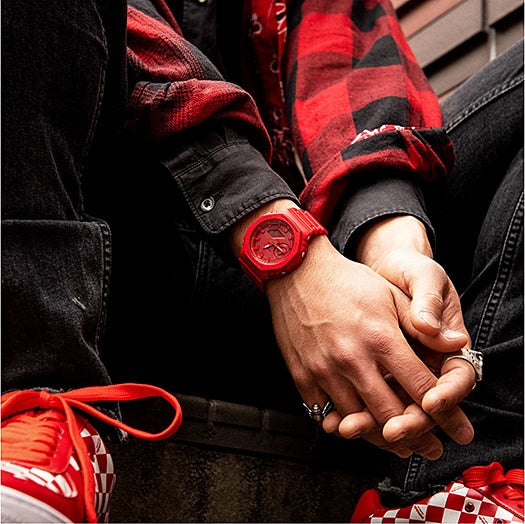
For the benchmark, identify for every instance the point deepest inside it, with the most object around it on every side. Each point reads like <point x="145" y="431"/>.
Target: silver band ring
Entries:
<point x="474" y="358"/>
<point x="318" y="413"/>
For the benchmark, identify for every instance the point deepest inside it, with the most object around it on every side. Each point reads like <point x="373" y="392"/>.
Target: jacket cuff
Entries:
<point x="222" y="177"/>
<point x="377" y="199"/>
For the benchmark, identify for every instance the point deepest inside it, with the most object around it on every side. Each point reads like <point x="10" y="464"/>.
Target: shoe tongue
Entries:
<point x="515" y="480"/>
<point x="515" y="477"/>
<point x="37" y="438"/>
<point x="479" y="476"/>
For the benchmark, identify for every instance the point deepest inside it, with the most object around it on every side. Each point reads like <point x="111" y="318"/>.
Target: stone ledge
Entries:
<point x="234" y="463"/>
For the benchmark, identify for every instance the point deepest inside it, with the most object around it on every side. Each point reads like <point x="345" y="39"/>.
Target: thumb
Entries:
<point x="436" y="316"/>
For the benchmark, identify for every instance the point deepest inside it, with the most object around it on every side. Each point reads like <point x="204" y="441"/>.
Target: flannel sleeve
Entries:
<point x="361" y="111"/>
<point x="206" y="132"/>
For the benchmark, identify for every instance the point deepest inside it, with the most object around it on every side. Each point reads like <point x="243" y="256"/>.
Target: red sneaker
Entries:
<point x="55" y="466"/>
<point x="484" y="494"/>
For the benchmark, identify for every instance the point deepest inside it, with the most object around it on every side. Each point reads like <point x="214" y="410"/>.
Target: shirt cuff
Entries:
<point x="371" y="201"/>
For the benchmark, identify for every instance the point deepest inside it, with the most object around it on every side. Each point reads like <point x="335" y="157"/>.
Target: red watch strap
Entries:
<point x="308" y="221"/>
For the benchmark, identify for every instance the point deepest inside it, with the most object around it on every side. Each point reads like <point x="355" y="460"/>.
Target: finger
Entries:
<point x="380" y="399"/>
<point x="357" y="425"/>
<point x="456" y="382"/>
<point x="414" y="377"/>
<point x="433" y="319"/>
<point x="455" y="424"/>
<point x="442" y="401"/>
<point x="349" y="429"/>
<point x="347" y="402"/>
<point x="412" y="431"/>
<point x="331" y="423"/>
<point x="427" y="445"/>
<point x="413" y="423"/>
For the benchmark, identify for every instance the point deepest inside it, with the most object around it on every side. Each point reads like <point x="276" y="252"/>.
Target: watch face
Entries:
<point x="271" y="241"/>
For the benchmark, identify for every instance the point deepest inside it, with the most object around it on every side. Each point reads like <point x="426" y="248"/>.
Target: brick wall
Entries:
<point x="454" y="38"/>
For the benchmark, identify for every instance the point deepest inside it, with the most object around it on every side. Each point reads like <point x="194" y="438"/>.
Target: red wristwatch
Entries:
<point x="276" y="243"/>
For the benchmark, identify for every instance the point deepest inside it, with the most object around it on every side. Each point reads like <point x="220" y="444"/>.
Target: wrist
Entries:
<point x="390" y="234"/>
<point x="319" y="251"/>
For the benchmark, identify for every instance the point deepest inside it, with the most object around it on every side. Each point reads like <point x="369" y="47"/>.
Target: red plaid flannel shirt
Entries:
<point x="340" y="72"/>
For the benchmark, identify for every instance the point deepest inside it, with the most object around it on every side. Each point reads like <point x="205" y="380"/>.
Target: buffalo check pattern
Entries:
<point x="328" y="71"/>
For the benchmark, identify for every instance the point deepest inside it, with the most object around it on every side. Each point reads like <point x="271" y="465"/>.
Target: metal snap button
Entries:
<point x="208" y="204"/>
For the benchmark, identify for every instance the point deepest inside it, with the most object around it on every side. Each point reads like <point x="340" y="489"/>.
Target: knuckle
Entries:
<point x="381" y="341"/>
<point x="385" y="414"/>
<point x="421" y="382"/>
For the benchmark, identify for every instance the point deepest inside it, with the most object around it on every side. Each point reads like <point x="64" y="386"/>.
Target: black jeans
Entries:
<point x="169" y="291"/>
<point x="478" y="216"/>
<point x="62" y="99"/>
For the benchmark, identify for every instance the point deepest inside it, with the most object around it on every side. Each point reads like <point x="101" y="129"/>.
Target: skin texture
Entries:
<point x="371" y="336"/>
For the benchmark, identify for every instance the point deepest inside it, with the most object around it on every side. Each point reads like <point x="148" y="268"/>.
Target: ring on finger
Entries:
<point x="318" y="413"/>
<point x="474" y="358"/>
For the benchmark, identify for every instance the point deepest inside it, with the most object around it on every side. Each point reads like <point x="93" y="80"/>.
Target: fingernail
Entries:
<point x="430" y="319"/>
<point x="401" y="435"/>
<point x="452" y="335"/>
<point x="464" y="435"/>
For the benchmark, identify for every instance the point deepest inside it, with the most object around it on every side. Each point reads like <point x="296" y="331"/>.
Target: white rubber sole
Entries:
<point x="17" y="507"/>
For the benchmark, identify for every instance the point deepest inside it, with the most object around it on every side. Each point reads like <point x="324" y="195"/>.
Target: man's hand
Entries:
<point x="338" y="327"/>
<point x="429" y="309"/>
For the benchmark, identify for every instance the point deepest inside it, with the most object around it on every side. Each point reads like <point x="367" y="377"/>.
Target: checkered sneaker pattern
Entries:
<point x="483" y="495"/>
<point x="55" y="466"/>
<point x="103" y="471"/>
<point x="460" y="504"/>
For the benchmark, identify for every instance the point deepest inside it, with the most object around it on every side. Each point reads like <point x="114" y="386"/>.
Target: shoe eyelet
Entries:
<point x="469" y="507"/>
<point x="498" y="521"/>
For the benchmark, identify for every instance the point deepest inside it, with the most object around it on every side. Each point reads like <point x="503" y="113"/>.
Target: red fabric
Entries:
<point x="351" y="68"/>
<point x="345" y="66"/>
<point x="173" y="93"/>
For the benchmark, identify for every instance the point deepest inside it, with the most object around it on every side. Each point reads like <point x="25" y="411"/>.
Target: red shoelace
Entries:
<point x="25" y="400"/>
<point x="493" y="475"/>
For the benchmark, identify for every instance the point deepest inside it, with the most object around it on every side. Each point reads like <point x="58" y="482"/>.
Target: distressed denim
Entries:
<point x="478" y="218"/>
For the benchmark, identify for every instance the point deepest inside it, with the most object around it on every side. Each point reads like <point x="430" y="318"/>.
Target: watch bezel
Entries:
<point x="302" y="224"/>
<point x="276" y="264"/>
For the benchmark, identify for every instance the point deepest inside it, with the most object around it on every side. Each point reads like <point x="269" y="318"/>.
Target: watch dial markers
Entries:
<point x="272" y="241"/>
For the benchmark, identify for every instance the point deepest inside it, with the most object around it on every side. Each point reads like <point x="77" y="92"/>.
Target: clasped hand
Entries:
<point x="371" y="336"/>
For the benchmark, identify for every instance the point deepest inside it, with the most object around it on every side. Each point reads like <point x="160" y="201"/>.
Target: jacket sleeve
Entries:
<point x="361" y="111"/>
<point x="206" y="132"/>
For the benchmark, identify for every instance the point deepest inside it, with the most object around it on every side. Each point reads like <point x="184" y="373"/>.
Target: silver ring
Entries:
<point x="318" y="413"/>
<point x="474" y="358"/>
